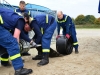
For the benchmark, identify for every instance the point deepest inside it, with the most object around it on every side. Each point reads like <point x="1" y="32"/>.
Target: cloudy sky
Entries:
<point x="69" y="7"/>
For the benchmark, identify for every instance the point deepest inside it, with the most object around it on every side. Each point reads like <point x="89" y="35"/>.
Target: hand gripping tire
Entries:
<point x="64" y="46"/>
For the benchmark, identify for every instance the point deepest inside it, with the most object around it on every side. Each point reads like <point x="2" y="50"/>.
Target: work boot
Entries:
<point x="37" y="57"/>
<point x="53" y="53"/>
<point x="25" y="54"/>
<point x="76" y="51"/>
<point x="44" y="61"/>
<point x="23" y="71"/>
<point x="5" y="63"/>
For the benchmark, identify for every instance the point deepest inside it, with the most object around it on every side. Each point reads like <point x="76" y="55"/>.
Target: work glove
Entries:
<point x="57" y="36"/>
<point x="67" y="36"/>
<point x="33" y="43"/>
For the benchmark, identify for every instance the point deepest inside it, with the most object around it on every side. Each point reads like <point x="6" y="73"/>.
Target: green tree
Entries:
<point x="97" y="21"/>
<point x="79" y="20"/>
<point x="89" y="19"/>
<point x="73" y="19"/>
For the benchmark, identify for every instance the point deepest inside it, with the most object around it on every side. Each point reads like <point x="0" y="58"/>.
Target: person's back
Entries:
<point x="10" y="19"/>
<point x="44" y="20"/>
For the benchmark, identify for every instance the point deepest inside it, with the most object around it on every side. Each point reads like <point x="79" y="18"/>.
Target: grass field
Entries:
<point x="88" y="26"/>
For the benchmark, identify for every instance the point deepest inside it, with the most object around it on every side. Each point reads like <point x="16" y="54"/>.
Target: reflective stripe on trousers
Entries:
<point x="11" y="44"/>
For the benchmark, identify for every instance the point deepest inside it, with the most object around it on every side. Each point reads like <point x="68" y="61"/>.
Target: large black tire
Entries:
<point x="64" y="46"/>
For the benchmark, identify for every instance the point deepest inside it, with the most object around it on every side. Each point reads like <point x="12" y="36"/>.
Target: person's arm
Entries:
<point x="58" y="28"/>
<point x="24" y="35"/>
<point x="37" y="32"/>
<point x="17" y="33"/>
<point x="19" y="27"/>
<point x="34" y="37"/>
<point x="68" y="25"/>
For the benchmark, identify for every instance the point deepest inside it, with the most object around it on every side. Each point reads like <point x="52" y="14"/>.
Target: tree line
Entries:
<point x="84" y="20"/>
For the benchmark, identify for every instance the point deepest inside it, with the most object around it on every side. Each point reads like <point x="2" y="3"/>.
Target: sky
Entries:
<point x="72" y="8"/>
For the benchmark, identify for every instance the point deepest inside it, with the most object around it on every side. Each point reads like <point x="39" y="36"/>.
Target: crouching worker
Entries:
<point x="15" y="23"/>
<point x="52" y="53"/>
<point x="48" y="25"/>
<point x="68" y="27"/>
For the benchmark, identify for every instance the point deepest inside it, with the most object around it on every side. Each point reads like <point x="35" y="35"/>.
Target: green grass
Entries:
<point x="88" y="26"/>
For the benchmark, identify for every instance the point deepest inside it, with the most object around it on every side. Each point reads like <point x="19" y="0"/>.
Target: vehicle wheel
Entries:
<point x="64" y="46"/>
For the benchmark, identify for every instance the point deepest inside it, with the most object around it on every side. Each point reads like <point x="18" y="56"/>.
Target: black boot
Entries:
<point x="53" y="53"/>
<point x="39" y="56"/>
<point x="5" y="63"/>
<point x="25" y="54"/>
<point x="23" y="71"/>
<point x="76" y="51"/>
<point x="44" y="61"/>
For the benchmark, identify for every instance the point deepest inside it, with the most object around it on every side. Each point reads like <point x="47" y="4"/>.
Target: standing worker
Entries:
<point x="23" y="10"/>
<point x="68" y="27"/>
<point x="15" y="23"/>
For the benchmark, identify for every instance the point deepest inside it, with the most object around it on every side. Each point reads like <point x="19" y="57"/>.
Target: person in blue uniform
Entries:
<point x="23" y="10"/>
<point x="48" y="24"/>
<point x="68" y="27"/>
<point x="16" y="23"/>
<point x="4" y="57"/>
<point x="99" y="7"/>
<point x="23" y="35"/>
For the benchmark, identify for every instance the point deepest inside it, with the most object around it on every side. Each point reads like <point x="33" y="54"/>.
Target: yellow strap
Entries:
<point x="42" y="30"/>
<point x="4" y="59"/>
<point x="29" y="13"/>
<point x="15" y="56"/>
<point x="15" y="10"/>
<point x="75" y="43"/>
<point x="45" y="50"/>
<point x="31" y="19"/>
<point x="1" y="20"/>
<point x="46" y="18"/>
<point x="63" y="20"/>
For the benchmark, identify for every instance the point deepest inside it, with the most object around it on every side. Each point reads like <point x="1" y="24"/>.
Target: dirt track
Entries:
<point x="87" y="62"/>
